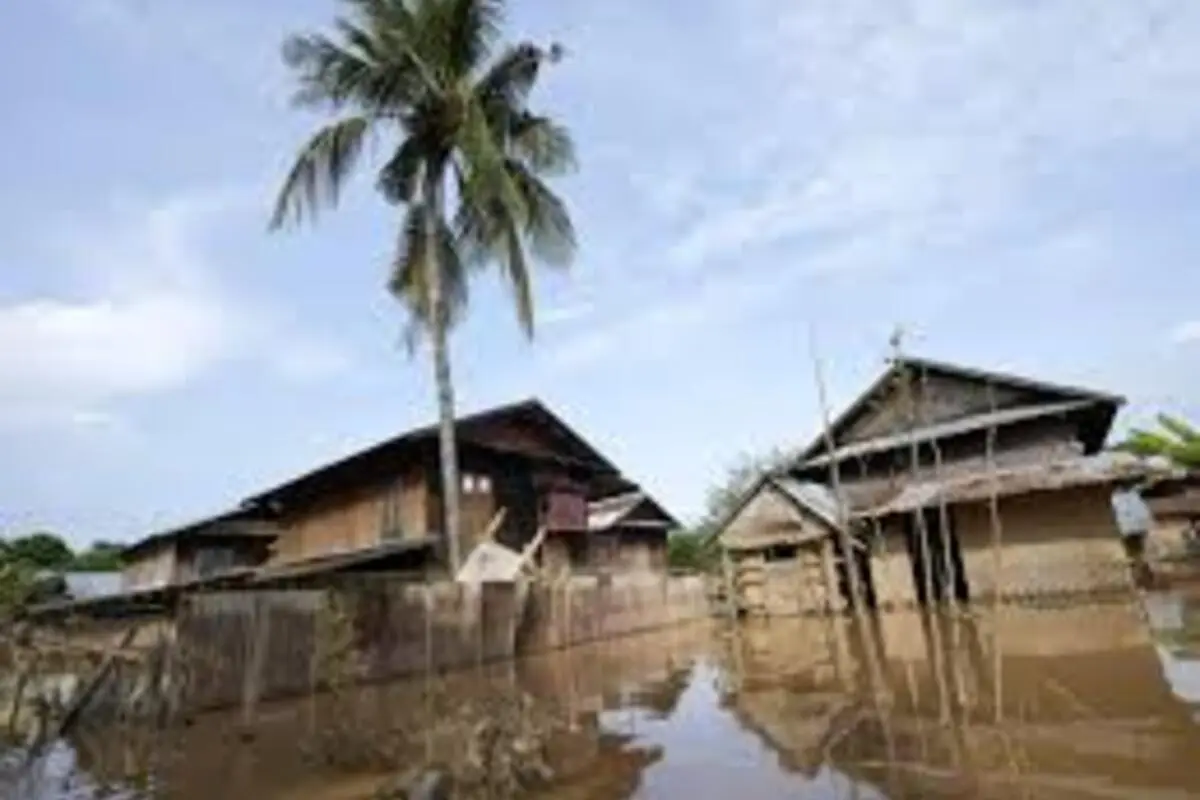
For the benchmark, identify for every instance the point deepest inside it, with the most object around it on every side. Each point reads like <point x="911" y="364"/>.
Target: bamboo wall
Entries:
<point x="1168" y="538"/>
<point x="1053" y="543"/>
<point x="1063" y="542"/>
<point x="273" y="644"/>
<point x="801" y="585"/>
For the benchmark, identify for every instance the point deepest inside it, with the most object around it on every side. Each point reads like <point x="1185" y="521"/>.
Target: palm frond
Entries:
<point x="517" y="274"/>
<point x="375" y="61"/>
<point x="409" y="281"/>
<point x="453" y="36"/>
<point x="544" y="145"/>
<point x="512" y="77"/>
<point x="474" y="29"/>
<point x="548" y="227"/>
<point x="488" y="181"/>
<point x="1179" y="428"/>
<point x="327" y="73"/>
<point x="401" y="176"/>
<point x="320" y="169"/>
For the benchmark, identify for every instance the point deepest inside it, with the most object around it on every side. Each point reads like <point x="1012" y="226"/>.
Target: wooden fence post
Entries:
<point x="253" y="677"/>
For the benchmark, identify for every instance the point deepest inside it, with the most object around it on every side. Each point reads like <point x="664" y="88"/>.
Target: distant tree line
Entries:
<point x="694" y="548"/>
<point x="46" y="551"/>
<point x="30" y="566"/>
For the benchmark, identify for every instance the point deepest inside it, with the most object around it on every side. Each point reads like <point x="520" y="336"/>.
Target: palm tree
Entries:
<point x="1177" y="440"/>
<point x="465" y="162"/>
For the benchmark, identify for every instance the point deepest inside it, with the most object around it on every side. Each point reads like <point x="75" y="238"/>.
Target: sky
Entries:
<point x="1015" y="184"/>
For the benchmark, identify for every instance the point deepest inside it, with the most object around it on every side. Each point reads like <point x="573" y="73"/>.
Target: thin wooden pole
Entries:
<point x="878" y="687"/>
<point x="997" y="562"/>
<point x="252" y="679"/>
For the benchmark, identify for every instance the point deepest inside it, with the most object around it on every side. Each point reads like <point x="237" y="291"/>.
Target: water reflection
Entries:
<point x="1175" y="622"/>
<point x="1076" y="702"/>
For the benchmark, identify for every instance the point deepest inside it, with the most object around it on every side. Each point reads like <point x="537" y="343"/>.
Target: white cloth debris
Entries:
<point x="491" y="563"/>
<point x="1133" y="515"/>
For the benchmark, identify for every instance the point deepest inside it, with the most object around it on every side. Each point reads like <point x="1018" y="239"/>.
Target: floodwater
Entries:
<point x="1090" y="701"/>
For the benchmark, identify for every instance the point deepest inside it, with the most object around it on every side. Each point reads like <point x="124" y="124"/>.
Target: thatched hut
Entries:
<point x="975" y="483"/>
<point x="780" y="548"/>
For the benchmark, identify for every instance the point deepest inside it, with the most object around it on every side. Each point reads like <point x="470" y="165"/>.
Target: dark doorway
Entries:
<point x="861" y="559"/>
<point x="936" y="557"/>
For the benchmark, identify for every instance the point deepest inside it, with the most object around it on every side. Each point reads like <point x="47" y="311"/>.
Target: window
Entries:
<point x="475" y="483"/>
<point x="392" y="522"/>
<point x="212" y="560"/>
<point x="782" y="552"/>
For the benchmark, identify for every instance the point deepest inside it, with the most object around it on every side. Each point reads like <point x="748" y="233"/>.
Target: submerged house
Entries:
<point x="380" y="509"/>
<point x="939" y="463"/>
<point x="197" y="551"/>
<point x="628" y="533"/>
<point x="781" y="549"/>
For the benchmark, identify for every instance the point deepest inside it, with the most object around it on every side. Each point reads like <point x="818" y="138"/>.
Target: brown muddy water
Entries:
<point x="1095" y="701"/>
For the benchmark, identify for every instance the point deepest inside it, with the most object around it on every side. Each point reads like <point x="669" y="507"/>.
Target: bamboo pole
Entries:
<point x="932" y="604"/>
<point x="997" y="561"/>
<point x="75" y="710"/>
<point x="878" y="687"/>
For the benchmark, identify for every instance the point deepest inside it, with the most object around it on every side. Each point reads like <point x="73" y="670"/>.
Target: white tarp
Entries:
<point x="491" y="563"/>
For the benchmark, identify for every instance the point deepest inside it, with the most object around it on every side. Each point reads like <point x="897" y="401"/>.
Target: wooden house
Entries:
<point x="198" y="550"/>
<point x="384" y="503"/>
<point x="943" y="462"/>
<point x="628" y="533"/>
<point x="781" y="548"/>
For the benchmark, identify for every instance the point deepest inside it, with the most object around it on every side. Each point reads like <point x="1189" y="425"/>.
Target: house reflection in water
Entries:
<point x="1078" y="701"/>
<point x="1075" y="706"/>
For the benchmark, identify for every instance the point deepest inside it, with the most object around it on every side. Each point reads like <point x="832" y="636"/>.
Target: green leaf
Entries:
<point x="323" y="165"/>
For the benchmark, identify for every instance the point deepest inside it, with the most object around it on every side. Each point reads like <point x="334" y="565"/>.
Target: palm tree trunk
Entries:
<point x="448" y="449"/>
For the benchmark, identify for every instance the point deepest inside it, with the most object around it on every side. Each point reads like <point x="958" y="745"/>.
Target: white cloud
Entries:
<point x="1186" y="332"/>
<point x="143" y="310"/>
<point x="901" y="133"/>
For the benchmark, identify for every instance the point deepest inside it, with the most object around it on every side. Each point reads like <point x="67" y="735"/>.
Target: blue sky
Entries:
<point x="1014" y="182"/>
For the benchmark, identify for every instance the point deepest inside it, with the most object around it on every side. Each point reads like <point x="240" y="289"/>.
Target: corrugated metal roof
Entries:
<point x="946" y="430"/>
<point x="85" y="585"/>
<point x="604" y="514"/>
<point x="925" y="366"/>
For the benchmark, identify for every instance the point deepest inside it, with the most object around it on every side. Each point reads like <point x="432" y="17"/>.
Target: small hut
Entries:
<point x="779" y="548"/>
<point x="628" y="533"/>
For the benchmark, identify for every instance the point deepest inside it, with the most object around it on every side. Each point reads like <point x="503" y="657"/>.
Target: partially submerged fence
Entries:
<point x="244" y="646"/>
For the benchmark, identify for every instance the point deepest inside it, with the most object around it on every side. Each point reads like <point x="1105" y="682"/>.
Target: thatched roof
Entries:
<point x="948" y="430"/>
<point x="1100" y="407"/>
<point x="1107" y="469"/>
<point x="814" y="507"/>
